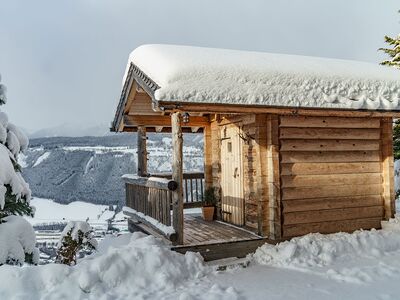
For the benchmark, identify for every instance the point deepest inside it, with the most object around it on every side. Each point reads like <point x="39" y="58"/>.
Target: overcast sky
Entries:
<point x="63" y="61"/>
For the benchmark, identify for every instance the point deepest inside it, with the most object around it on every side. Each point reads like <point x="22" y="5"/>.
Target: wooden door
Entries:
<point x="231" y="175"/>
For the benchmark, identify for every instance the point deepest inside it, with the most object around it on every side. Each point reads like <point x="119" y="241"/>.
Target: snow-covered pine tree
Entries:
<point x="17" y="238"/>
<point x="394" y="61"/>
<point x="393" y="51"/>
<point x="14" y="191"/>
<point x="77" y="237"/>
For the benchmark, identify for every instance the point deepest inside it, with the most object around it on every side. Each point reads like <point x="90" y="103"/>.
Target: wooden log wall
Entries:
<point x="251" y="167"/>
<point x="331" y="174"/>
<point x="307" y="174"/>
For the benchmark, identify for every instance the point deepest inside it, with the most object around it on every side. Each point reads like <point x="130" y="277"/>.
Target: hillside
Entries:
<point x="89" y="169"/>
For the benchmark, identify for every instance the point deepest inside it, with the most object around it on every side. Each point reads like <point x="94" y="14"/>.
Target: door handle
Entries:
<point x="235" y="173"/>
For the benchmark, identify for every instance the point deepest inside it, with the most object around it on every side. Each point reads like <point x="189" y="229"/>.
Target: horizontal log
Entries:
<point x="215" y="251"/>
<point x="162" y="120"/>
<point x="261" y="109"/>
<point x="329" y="168"/>
<point x="149" y="228"/>
<point x="329" y="156"/>
<point x="291" y="193"/>
<point x="332" y="226"/>
<point x="157" y="129"/>
<point x="331" y="122"/>
<point x="331" y="203"/>
<point x="333" y="215"/>
<point x="330" y="133"/>
<point x="329" y="145"/>
<point x="186" y="175"/>
<point x="333" y="180"/>
<point x="151" y="182"/>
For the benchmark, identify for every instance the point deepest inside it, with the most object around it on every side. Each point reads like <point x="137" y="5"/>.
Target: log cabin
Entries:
<point x="292" y="145"/>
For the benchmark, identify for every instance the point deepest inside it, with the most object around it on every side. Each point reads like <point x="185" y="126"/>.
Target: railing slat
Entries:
<point x="152" y="196"/>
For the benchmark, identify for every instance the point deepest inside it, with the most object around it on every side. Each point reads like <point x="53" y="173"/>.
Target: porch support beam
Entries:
<point x="141" y="151"/>
<point x="274" y="184"/>
<point x="208" y="180"/>
<point x="177" y="175"/>
<point x="211" y="108"/>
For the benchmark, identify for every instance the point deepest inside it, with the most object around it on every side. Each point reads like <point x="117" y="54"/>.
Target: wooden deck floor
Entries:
<point x="217" y="240"/>
<point x="213" y="240"/>
<point x="197" y="231"/>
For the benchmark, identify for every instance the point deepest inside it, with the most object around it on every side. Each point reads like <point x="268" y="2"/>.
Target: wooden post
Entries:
<point x="262" y="174"/>
<point x="274" y="185"/>
<point x="177" y="175"/>
<point x="216" y="163"/>
<point x="141" y="151"/>
<point x="387" y="166"/>
<point x="208" y="180"/>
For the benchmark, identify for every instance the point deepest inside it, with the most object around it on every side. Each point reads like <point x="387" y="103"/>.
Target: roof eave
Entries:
<point x="144" y="81"/>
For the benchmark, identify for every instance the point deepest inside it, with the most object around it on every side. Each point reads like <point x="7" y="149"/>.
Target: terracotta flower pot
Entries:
<point x="208" y="213"/>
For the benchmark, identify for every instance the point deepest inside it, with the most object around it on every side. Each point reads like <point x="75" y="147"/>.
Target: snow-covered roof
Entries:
<point x="208" y="75"/>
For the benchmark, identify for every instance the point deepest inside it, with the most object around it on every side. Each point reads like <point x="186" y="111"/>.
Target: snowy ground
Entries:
<point x="48" y="211"/>
<point x="362" y="265"/>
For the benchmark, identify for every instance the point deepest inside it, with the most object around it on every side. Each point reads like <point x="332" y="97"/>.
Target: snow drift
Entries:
<point x="318" y="250"/>
<point x="141" y="268"/>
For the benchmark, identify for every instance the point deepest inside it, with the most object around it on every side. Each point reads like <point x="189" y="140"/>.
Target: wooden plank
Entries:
<point x="274" y="185"/>
<point x="177" y="175"/>
<point x="329" y="145"/>
<point x="131" y="96"/>
<point x="240" y="119"/>
<point x="261" y="109"/>
<point x="329" y="156"/>
<point x="333" y="215"/>
<point x="330" y="133"/>
<point x="332" y="122"/>
<point x="163" y="121"/>
<point x="331" y="203"/>
<point x="151" y="182"/>
<point x="158" y="129"/>
<point x="149" y="228"/>
<point x="217" y="251"/>
<point x="291" y="193"/>
<point x="334" y="180"/>
<point x="141" y="151"/>
<point x="332" y="226"/>
<point x="387" y="167"/>
<point x="329" y="168"/>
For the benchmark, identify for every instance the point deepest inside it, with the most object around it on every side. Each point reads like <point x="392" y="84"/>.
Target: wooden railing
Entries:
<point x="149" y="201"/>
<point x="193" y="187"/>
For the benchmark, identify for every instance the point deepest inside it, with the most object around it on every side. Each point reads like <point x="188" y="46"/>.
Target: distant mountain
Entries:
<point x="89" y="169"/>
<point x="72" y="130"/>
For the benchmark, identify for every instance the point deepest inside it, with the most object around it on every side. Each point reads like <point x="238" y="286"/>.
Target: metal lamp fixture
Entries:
<point x="185" y="117"/>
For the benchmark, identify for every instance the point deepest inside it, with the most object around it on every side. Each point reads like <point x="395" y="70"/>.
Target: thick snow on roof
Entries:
<point x="207" y="75"/>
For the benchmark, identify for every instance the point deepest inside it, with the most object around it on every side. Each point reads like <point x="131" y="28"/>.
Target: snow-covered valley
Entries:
<point x="89" y="169"/>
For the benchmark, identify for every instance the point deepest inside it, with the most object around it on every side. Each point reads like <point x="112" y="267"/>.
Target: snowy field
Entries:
<point x="48" y="211"/>
<point x="362" y="265"/>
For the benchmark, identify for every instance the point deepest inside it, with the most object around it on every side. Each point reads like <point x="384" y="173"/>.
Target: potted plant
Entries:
<point x="209" y="204"/>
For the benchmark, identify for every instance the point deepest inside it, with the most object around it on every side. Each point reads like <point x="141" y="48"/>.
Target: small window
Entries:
<point x="229" y="146"/>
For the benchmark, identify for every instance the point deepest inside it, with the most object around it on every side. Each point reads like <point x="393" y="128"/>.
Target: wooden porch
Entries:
<point x="213" y="240"/>
<point x="150" y="209"/>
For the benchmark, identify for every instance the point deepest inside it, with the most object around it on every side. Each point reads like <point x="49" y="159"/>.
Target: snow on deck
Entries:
<point x="207" y="75"/>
